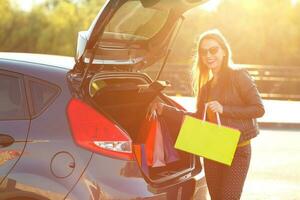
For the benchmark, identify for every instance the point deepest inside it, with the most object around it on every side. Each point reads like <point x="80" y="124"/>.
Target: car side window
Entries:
<point x="13" y="104"/>
<point x="42" y="95"/>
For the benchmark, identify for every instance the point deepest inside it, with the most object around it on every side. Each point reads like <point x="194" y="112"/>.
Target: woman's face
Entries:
<point x="211" y="54"/>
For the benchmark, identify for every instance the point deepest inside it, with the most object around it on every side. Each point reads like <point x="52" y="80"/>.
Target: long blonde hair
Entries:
<point x="200" y="72"/>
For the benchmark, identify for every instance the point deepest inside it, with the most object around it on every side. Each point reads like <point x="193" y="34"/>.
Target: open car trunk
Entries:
<point x="124" y="98"/>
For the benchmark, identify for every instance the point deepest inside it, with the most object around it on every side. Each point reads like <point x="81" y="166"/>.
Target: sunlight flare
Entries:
<point x="211" y="5"/>
<point x="294" y="2"/>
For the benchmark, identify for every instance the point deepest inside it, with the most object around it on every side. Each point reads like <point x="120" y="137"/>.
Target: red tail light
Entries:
<point x="96" y="133"/>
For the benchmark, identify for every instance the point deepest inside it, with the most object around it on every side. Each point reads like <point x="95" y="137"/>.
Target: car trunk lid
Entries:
<point x="132" y="34"/>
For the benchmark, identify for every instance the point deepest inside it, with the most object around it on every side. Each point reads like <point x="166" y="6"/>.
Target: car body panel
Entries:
<point x="15" y="128"/>
<point x="53" y="166"/>
<point x="10" y="155"/>
<point x="45" y="144"/>
<point x="123" y="182"/>
<point x="50" y="61"/>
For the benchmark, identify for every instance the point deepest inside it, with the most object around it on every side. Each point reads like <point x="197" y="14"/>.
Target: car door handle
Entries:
<point x="6" y="140"/>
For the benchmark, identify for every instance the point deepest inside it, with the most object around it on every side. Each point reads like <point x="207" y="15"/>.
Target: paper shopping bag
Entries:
<point x="158" y="153"/>
<point x="146" y="136"/>
<point x="171" y="154"/>
<point x="208" y="140"/>
<point x="140" y="154"/>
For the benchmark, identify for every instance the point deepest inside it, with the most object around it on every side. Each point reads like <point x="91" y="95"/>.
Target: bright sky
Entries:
<point x="27" y="4"/>
<point x="210" y="6"/>
<point x="294" y="2"/>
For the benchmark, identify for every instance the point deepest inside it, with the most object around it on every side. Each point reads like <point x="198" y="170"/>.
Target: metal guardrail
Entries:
<point x="276" y="82"/>
<point x="273" y="82"/>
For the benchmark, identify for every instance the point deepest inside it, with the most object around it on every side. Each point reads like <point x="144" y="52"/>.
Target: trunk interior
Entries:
<point x="125" y="100"/>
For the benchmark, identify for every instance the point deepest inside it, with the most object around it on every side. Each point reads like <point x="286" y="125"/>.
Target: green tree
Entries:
<point x="259" y="32"/>
<point x="50" y="27"/>
<point x="64" y="20"/>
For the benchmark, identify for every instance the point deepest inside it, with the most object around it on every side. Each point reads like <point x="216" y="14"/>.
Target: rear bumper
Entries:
<point x="106" y="178"/>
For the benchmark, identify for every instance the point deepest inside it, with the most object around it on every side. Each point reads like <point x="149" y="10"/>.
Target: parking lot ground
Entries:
<point x="275" y="166"/>
<point x="274" y="172"/>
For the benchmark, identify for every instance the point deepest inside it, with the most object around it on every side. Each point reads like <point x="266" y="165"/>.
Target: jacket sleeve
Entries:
<point x="246" y="89"/>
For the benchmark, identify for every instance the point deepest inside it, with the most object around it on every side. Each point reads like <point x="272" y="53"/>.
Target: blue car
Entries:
<point x="68" y="126"/>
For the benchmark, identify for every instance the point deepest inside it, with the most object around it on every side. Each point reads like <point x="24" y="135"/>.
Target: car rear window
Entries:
<point x="12" y="98"/>
<point x="42" y="95"/>
<point x="134" y="21"/>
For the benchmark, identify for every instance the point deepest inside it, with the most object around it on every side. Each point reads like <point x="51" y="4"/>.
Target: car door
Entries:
<point x="14" y="121"/>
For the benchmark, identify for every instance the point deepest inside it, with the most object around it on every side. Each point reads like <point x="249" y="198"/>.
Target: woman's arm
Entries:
<point x="248" y="92"/>
<point x="170" y="110"/>
<point x="174" y="115"/>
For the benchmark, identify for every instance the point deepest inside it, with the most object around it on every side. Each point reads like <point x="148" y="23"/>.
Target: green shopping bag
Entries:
<point x="209" y="140"/>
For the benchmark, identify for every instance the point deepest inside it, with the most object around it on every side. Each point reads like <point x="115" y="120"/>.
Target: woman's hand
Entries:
<point x="215" y="106"/>
<point x="154" y="107"/>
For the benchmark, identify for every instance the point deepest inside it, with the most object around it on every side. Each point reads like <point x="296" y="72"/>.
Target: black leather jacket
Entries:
<point x="241" y="104"/>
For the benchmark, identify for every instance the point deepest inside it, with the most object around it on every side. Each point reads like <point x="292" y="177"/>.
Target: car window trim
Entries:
<point x="27" y="80"/>
<point x="24" y="98"/>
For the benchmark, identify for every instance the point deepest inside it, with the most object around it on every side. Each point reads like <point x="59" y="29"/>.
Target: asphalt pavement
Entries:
<point x="275" y="166"/>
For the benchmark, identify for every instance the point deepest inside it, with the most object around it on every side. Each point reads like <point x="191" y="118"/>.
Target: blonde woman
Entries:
<point x="231" y="93"/>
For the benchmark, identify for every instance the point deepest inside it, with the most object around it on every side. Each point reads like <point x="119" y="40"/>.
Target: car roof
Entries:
<point x="65" y="62"/>
<point x="51" y="68"/>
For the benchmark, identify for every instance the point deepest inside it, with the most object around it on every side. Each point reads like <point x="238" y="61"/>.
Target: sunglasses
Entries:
<point x="211" y="50"/>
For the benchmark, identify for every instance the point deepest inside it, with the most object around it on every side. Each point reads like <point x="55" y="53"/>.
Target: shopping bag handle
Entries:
<point x="204" y="115"/>
<point x="151" y="115"/>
